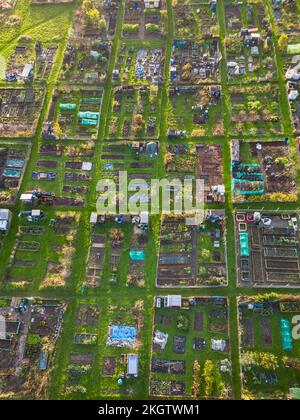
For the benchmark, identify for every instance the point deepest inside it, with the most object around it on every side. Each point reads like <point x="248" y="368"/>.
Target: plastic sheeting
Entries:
<point x="286" y="335"/>
<point x="67" y="107"/>
<point x="86" y="121"/>
<point x="137" y="255"/>
<point x="123" y="333"/>
<point x="89" y="115"/>
<point x="244" y="243"/>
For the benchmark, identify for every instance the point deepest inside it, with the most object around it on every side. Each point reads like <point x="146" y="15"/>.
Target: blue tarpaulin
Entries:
<point x="123" y="333"/>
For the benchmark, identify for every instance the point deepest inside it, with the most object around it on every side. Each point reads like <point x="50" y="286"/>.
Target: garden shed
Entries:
<point x="132" y="365"/>
<point x="5" y="220"/>
<point x="172" y="301"/>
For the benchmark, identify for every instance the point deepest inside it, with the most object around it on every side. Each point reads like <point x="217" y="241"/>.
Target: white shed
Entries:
<point x="151" y="4"/>
<point x="172" y="301"/>
<point x="5" y="220"/>
<point x="132" y="365"/>
<point x="27" y="198"/>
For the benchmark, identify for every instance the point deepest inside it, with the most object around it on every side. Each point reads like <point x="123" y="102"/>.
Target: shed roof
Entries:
<point x="5" y="214"/>
<point x="174" y="300"/>
<point x="26" y="197"/>
<point x="132" y="364"/>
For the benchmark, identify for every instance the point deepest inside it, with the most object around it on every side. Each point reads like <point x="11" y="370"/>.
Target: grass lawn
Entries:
<point x="265" y="329"/>
<point x="190" y="331"/>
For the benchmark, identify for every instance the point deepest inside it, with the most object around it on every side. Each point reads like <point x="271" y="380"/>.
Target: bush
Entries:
<point x="196" y="385"/>
<point x="151" y="27"/>
<point x="182" y="322"/>
<point x="33" y="339"/>
<point x="264" y="360"/>
<point x="132" y="28"/>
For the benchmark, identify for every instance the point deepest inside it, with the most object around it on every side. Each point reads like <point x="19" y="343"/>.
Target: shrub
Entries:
<point x="33" y="339"/>
<point x="151" y="27"/>
<point x="132" y="28"/>
<point x="182" y="322"/>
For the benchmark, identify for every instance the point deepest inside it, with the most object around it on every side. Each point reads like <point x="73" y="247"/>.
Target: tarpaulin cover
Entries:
<point x="12" y="173"/>
<point x="137" y="255"/>
<point x="244" y="242"/>
<point x="123" y="333"/>
<point x="89" y="115"/>
<point x="67" y="107"/>
<point x="86" y="121"/>
<point x="174" y="259"/>
<point x="286" y="335"/>
<point x="15" y="163"/>
<point x="293" y="49"/>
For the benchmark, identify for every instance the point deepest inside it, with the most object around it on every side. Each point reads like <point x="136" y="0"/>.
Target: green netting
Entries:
<point x="293" y="49"/>
<point x="295" y="393"/>
<point x="250" y="165"/>
<point x="67" y="107"/>
<point x="258" y="175"/>
<point x="246" y="187"/>
<point x="2" y="67"/>
<point x="286" y="335"/>
<point x="86" y="121"/>
<point x="15" y="163"/>
<point x="244" y="243"/>
<point x="90" y="100"/>
<point x="89" y="115"/>
<point x="180" y="43"/>
<point x="245" y="181"/>
<point x="137" y="255"/>
<point x="12" y="173"/>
